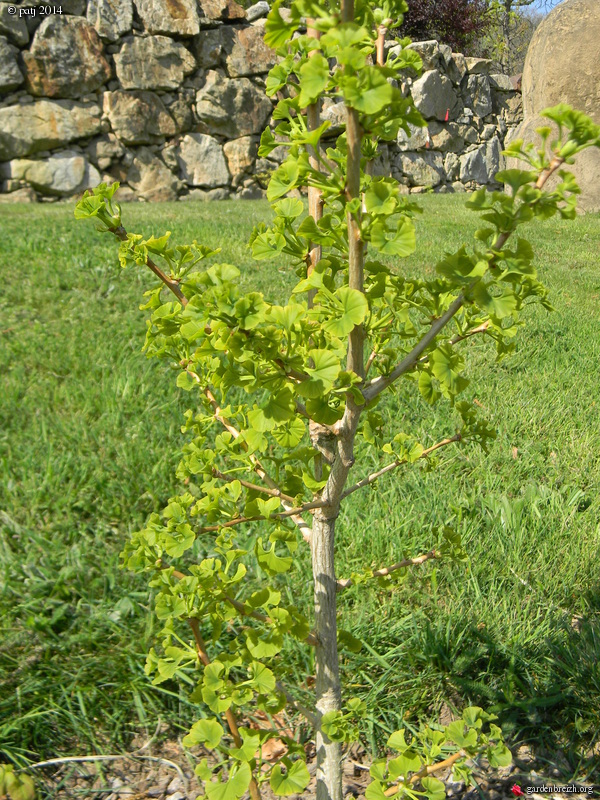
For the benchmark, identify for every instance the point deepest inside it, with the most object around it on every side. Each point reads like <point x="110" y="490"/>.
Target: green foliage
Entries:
<point x="274" y="386"/>
<point x="15" y="786"/>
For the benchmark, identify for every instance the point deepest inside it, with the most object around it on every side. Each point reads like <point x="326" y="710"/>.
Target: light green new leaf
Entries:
<point x="265" y="646"/>
<point x="289" y="208"/>
<point x="434" y="788"/>
<point x="375" y="791"/>
<point x="277" y="30"/>
<point x="497" y="306"/>
<point x="185" y="380"/>
<point x="314" y="76"/>
<point x="397" y="741"/>
<point x="499" y="756"/>
<point x="251" y="743"/>
<point x="380" y="197"/>
<point x="207" y="731"/>
<point x="293" y="781"/>
<point x="326" y="366"/>
<point x="280" y="406"/>
<point x="400" y="242"/>
<point x="456" y="733"/>
<point x="261" y="677"/>
<point x="18" y="787"/>
<point x="351" y="309"/>
<point x="270" y="561"/>
<point x="267" y="244"/>
<point x="283" y="179"/>
<point x="232" y="789"/>
<point x="348" y="641"/>
<point x="405" y="764"/>
<point x="290" y="434"/>
<point x="369" y="92"/>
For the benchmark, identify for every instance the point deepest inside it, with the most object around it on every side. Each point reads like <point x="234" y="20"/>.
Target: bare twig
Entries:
<point x="377" y="385"/>
<point x="345" y="583"/>
<point x="397" y="463"/>
<point x="306" y="713"/>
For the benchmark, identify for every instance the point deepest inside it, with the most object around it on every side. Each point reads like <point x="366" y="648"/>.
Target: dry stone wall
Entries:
<point x="167" y="96"/>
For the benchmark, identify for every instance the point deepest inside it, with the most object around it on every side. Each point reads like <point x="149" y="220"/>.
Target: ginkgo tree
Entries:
<point x="285" y="400"/>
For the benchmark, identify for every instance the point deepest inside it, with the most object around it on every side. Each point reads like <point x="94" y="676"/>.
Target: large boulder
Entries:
<point x="169" y="16"/>
<point x="138" y="117"/>
<point x="62" y="174"/>
<point x="66" y="59"/>
<point x="111" y="18"/>
<point x="563" y="66"/>
<point x="202" y="161"/>
<point x="44" y="125"/>
<point x="11" y="76"/>
<point x="153" y="62"/>
<point x="232" y="108"/>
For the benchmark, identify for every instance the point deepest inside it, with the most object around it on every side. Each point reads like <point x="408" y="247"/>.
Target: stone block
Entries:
<point x="110" y="18"/>
<point x="208" y="47"/>
<point x="138" y="117"/>
<point x="481" y="164"/>
<point x="240" y="155"/>
<point x="66" y="59"/>
<point x="153" y="62"/>
<point x="62" y="174"/>
<point x="232" y="108"/>
<point x="221" y="10"/>
<point x="434" y="96"/>
<point x="11" y="76"/>
<point x="44" y="125"/>
<point x="151" y="178"/>
<point x="478" y="95"/>
<point x="421" y="169"/>
<point x="12" y="26"/>
<point x="179" y="17"/>
<point x="247" y="53"/>
<point x="202" y="161"/>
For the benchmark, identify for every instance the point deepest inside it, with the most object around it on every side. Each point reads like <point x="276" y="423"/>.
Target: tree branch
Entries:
<point x="229" y="716"/>
<point x="311" y="639"/>
<point x="377" y="385"/>
<point x="428" y="769"/>
<point x="397" y="463"/>
<point x="305" y="529"/>
<point x="345" y="583"/>
<point x="170" y="283"/>
<point x="253" y="486"/>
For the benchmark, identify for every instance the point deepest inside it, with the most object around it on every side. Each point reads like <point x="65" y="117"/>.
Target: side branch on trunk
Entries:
<point x="345" y="583"/>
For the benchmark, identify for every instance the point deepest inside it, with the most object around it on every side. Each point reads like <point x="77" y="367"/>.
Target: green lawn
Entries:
<point x="89" y="437"/>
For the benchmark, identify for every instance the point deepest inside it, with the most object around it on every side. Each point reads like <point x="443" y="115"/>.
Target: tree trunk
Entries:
<point x="327" y="689"/>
